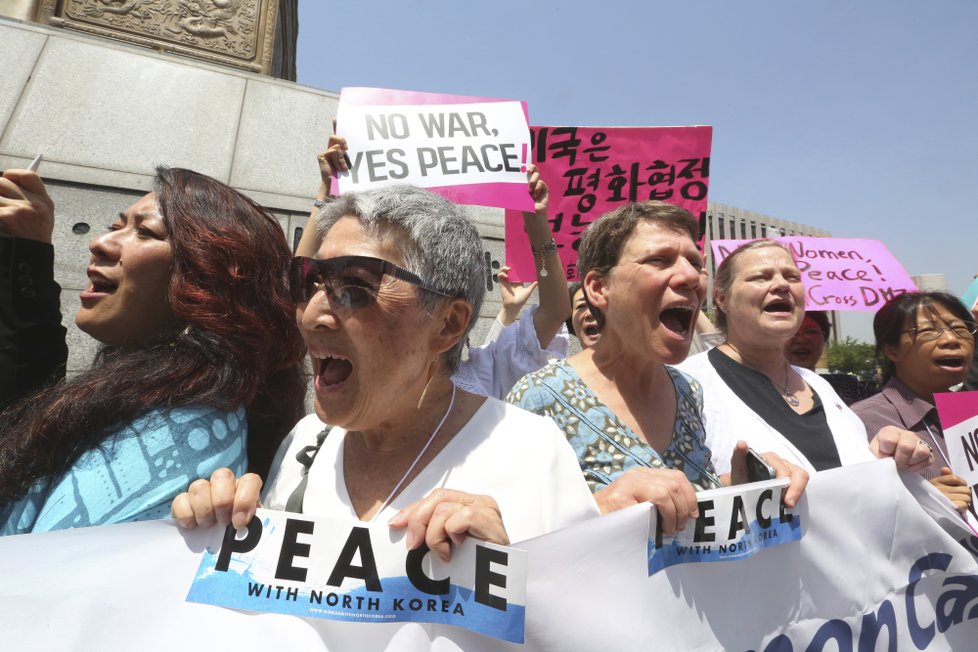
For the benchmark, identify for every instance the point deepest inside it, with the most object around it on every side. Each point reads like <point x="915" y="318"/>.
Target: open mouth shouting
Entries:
<point x="951" y="363"/>
<point x="99" y="286"/>
<point x="779" y="307"/>
<point x="331" y="371"/>
<point x="678" y="320"/>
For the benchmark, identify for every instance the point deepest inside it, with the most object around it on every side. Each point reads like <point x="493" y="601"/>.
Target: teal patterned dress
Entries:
<point x="136" y="472"/>
<point x="605" y="446"/>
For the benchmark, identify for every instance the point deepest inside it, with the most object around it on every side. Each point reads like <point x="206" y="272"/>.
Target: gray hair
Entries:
<point x="433" y="236"/>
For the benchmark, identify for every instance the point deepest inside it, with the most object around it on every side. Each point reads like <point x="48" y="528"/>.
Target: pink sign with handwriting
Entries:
<point x="839" y="273"/>
<point x="592" y="170"/>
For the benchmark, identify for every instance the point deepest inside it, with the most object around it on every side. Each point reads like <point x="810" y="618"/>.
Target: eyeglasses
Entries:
<point x="960" y="330"/>
<point x="349" y="281"/>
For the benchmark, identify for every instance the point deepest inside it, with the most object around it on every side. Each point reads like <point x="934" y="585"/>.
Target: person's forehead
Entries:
<point x="764" y="257"/>
<point x="935" y="312"/>
<point x="649" y="236"/>
<point x="348" y="237"/>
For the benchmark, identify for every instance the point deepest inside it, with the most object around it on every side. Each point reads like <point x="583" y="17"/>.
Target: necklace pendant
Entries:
<point x="792" y="401"/>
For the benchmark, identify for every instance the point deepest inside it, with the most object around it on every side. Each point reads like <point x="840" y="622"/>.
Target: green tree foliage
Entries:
<point x="851" y="356"/>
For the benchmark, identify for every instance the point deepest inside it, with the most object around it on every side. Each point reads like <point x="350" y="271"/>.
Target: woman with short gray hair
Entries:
<point x="383" y="307"/>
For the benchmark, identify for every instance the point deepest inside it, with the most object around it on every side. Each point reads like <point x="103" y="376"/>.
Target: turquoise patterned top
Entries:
<point x="605" y="446"/>
<point x="136" y="472"/>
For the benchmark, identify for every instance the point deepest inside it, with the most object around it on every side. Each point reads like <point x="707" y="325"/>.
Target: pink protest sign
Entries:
<point x="471" y="150"/>
<point x="592" y="170"/>
<point x="839" y="273"/>
<point x="959" y="421"/>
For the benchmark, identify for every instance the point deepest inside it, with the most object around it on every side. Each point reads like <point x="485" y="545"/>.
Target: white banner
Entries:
<point x="879" y="566"/>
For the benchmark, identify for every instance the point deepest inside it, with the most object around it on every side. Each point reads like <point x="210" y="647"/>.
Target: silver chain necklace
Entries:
<point x="788" y="396"/>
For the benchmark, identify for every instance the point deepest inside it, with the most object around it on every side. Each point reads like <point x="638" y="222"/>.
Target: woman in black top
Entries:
<point x="752" y="392"/>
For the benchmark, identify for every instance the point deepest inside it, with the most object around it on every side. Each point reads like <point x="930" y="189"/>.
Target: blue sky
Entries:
<point x="855" y="117"/>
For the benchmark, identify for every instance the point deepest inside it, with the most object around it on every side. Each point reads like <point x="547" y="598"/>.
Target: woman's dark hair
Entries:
<point x="572" y="289"/>
<point x="604" y="239"/>
<point x="900" y="313"/>
<point x="236" y="342"/>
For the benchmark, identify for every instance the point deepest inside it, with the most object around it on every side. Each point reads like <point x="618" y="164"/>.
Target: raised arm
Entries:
<point x="33" y="352"/>
<point x="329" y="160"/>
<point x="555" y="305"/>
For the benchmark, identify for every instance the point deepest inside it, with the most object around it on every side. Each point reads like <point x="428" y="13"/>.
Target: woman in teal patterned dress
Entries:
<point x="199" y="367"/>
<point x="635" y="423"/>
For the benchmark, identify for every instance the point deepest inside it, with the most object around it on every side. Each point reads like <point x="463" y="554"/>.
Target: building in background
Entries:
<point x="930" y="282"/>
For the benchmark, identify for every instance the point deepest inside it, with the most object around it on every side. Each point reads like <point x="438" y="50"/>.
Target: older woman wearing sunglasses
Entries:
<point x="384" y="309"/>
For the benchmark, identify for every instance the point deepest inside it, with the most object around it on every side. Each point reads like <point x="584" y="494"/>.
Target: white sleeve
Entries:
<point x="496" y="366"/>
<point x="494" y="330"/>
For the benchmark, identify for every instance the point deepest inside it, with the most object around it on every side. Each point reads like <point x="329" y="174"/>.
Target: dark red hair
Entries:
<point x="236" y="342"/>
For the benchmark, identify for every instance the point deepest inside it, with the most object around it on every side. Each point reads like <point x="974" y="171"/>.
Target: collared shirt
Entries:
<point x="898" y="406"/>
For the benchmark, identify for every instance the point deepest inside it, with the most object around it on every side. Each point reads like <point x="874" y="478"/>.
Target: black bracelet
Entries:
<point x="546" y="248"/>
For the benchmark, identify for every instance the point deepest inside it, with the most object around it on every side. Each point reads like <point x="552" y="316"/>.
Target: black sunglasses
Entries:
<point x="349" y="281"/>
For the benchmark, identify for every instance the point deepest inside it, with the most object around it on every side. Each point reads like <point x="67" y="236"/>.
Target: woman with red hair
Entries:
<point x="199" y="366"/>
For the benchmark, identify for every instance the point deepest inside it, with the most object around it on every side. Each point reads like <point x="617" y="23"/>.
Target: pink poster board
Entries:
<point x="959" y="421"/>
<point x="839" y="273"/>
<point x="592" y="170"/>
<point x="471" y="150"/>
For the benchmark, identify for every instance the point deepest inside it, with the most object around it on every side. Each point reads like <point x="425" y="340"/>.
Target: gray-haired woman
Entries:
<point x="384" y="308"/>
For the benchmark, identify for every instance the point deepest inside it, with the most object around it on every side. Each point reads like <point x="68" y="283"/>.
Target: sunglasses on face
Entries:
<point x="348" y="281"/>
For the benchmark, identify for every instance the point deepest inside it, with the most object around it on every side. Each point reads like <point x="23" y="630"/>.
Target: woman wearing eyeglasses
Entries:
<point x="384" y="308"/>
<point x="926" y="341"/>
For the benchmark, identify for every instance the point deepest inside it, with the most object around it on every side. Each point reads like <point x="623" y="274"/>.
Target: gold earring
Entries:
<point x="432" y="368"/>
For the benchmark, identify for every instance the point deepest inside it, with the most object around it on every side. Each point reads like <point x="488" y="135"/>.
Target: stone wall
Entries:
<point x="104" y="114"/>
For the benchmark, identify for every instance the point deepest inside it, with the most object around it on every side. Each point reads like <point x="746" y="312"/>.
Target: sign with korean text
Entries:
<point x="321" y="568"/>
<point x="471" y="150"/>
<point x="839" y="273"/>
<point x="592" y="170"/>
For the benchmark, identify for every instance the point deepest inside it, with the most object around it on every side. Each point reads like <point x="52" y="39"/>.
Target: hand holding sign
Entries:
<point x="26" y="209"/>
<point x="445" y="517"/>
<point x="667" y="489"/>
<point x="222" y="500"/>
<point x="783" y="469"/>
<point x="954" y="488"/>
<point x="334" y="159"/>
